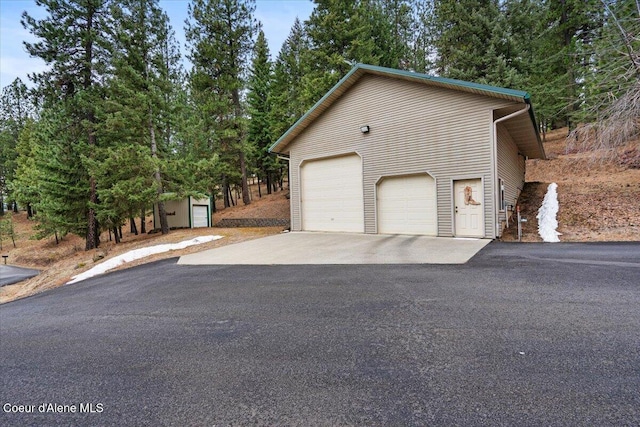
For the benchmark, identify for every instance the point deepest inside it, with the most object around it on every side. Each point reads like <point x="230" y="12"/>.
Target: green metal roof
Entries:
<point x="361" y="69"/>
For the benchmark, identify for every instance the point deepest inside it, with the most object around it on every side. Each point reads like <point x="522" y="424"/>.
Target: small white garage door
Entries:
<point x="407" y="205"/>
<point x="331" y="195"/>
<point x="200" y="216"/>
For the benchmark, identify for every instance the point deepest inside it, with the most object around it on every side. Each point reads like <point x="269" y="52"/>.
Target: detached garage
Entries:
<point x="185" y="213"/>
<point x="394" y="152"/>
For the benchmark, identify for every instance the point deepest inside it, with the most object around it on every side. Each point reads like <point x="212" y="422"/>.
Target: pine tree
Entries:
<point x="16" y="109"/>
<point x="573" y="30"/>
<point x="25" y="185"/>
<point x="471" y="42"/>
<point x="259" y="100"/>
<point x="339" y="33"/>
<point x="395" y="31"/>
<point x="139" y="99"/>
<point x="73" y="40"/>
<point x="220" y="35"/>
<point x="422" y="45"/>
<point x="291" y="65"/>
<point x="59" y="173"/>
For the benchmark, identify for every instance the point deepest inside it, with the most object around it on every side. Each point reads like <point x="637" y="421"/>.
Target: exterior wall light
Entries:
<point x="364" y="129"/>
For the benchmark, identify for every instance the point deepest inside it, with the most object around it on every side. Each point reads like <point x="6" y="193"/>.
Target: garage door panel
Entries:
<point x="407" y="205"/>
<point x="332" y="195"/>
<point x="200" y="216"/>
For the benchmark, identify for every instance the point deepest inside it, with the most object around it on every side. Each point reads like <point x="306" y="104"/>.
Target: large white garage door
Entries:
<point x="407" y="205"/>
<point x="331" y="195"/>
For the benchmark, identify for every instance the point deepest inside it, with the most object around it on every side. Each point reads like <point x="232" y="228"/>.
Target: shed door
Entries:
<point x="200" y="216"/>
<point x="407" y="205"/>
<point x="331" y="195"/>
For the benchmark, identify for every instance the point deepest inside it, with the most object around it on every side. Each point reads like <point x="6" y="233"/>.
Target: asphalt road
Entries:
<point x="522" y="335"/>
<point x="10" y="274"/>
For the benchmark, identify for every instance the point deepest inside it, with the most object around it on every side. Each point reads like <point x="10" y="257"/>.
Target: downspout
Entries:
<point x="496" y="207"/>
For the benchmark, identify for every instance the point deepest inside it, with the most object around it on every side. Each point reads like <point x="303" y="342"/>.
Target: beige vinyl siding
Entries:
<point x="414" y="129"/>
<point x="177" y="213"/>
<point x="511" y="167"/>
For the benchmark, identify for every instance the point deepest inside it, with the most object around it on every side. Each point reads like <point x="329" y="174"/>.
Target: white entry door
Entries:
<point x="469" y="208"/>
<point x="331" y="195"/>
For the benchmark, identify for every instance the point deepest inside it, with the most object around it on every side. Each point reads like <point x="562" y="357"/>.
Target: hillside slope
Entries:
<point x="599" y="199"/>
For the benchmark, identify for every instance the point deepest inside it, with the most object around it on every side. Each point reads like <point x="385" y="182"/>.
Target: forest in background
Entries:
<point x="117" y="124"/>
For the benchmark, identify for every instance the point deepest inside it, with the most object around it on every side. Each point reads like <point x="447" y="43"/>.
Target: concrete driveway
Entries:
<point x="340" y="248"/>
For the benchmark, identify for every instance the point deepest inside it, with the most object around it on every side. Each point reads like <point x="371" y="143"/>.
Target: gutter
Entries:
<point x="496" y="208"/>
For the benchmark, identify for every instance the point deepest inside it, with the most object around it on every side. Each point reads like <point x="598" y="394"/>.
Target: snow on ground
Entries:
<point x="547" y="221"/>
<point x="137" y="254"/>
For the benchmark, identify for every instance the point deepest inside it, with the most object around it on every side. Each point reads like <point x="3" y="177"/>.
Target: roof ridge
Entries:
<point x="446" y="80"/>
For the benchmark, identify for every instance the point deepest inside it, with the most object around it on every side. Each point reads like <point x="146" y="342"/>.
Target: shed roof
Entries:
<point x="523" y="128"/>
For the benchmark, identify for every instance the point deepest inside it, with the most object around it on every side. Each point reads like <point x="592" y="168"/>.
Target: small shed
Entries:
<point x="395" y="152"/>
<point x="185" y="213"/>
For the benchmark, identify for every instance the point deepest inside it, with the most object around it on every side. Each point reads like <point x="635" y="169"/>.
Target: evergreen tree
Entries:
<point x="395" y="31"/>
<point x="472" y="42"/>
<point x="138" y="108"/>
<point x="422" y="49"/>
<point x="220" y="35"/>
<point x="16" y="108"/>
<point x="340" y="36"/>
<point x="25" y="185"/>
<point x="60" y="175"/>
<point x="573" y="30"/>
<point x="73" y="40"/>
<point x="343" y="33"/>
<point x="292" y="64"/>
<point x="259" y="100"/>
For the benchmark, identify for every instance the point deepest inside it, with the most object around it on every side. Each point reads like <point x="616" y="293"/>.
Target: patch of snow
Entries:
<point x="137" y="254"/>
<point x="547" y="222"/>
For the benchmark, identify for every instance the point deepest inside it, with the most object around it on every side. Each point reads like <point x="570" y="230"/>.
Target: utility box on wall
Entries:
<point x="185" y="213"/>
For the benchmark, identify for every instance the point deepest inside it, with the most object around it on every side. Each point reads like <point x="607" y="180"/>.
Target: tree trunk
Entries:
<point x="269" y="183"/>
<point x="29" y="211"/>
<point x="15" y="207"/>
<point x="259" y="191"/>
<point x="225" y="192"/>
<point x="92" y="241"/>
<point x="143" y="222"/>
<point x="230" y="196"/>
<point x="246" y="198"/>
<point x="132" y="222"/>
<point x="115" y="233"/>
<point x="1" y="205"/>
<point x="162" y="212"/>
